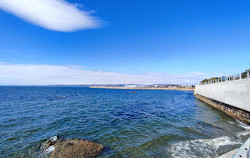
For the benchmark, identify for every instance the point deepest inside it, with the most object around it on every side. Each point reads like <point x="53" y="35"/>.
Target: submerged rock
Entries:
<point x="72" y="148"/>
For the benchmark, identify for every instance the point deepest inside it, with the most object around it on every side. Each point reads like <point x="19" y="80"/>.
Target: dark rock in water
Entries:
<point x="76" y="149"/>
<point x="72" y="148"/>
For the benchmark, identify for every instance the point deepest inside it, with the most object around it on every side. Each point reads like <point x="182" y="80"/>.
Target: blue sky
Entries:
<point x="169" y="37"/>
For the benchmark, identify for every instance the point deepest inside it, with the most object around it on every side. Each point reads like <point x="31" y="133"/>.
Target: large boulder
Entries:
<point x="71" y="148"/>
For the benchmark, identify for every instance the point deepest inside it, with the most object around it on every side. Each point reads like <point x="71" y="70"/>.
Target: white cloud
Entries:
<point x="57" y="15"/>
<point x="14" y="74"/>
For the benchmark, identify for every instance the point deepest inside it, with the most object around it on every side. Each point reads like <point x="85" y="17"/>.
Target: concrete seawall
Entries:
<point x="239" y="114"/>
<point x="231" y="97"/>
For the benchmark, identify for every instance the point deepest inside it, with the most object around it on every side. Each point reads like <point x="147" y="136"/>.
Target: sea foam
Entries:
<point x="245" y="132"/>
<point x="200" y="148"/>
<point x="243" y="125"/>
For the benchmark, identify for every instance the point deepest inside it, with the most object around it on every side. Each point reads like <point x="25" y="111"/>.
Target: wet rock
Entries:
<point x="47" y="146"/>
<point x="72" y="148"/>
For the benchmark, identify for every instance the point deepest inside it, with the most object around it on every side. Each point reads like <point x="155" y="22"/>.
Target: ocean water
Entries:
<point x="149" y="123"/>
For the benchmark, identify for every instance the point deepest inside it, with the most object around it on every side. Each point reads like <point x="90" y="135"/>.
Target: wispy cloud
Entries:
<point x="57" y="15"/>
<point x="9" y="51"/>
<point x="14" y="74"/>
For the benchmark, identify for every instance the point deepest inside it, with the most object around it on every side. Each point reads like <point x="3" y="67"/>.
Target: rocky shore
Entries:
<point x="56" y="147"/>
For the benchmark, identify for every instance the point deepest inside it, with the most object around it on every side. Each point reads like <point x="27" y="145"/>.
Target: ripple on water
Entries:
<point x="146" y="124"/>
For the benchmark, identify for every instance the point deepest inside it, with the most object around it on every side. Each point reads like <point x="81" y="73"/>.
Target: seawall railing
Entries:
<point x="241" y="76"/>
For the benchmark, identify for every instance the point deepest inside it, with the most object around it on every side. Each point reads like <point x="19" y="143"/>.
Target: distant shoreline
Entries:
<point x="143" y="88"/>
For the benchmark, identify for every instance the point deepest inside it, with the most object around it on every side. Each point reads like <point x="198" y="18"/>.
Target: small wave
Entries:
<point x="243" y="133"/>
<point x="243" y="125"/>
<point x="200" y="147"/>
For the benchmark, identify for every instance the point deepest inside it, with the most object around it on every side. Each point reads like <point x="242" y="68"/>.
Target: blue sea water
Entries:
<point x="150" y="123"/>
